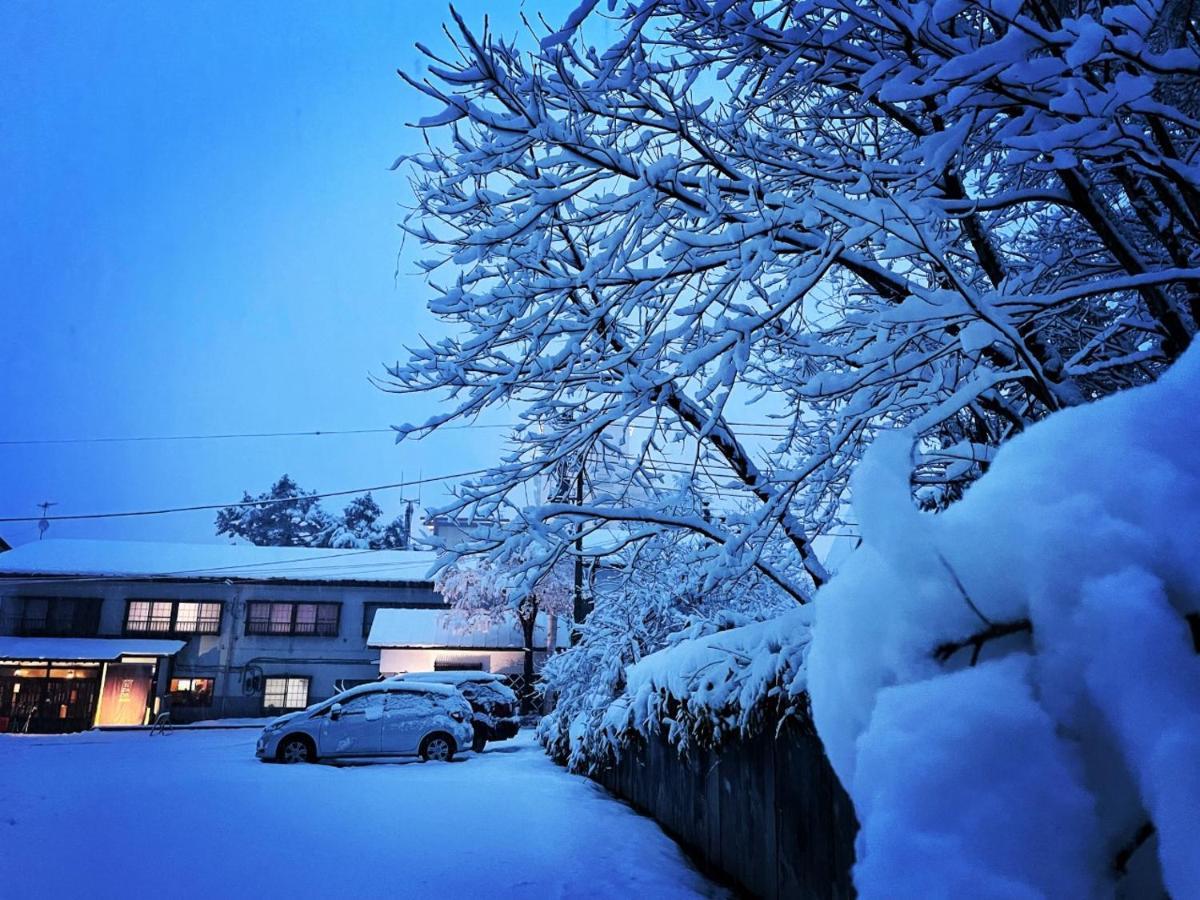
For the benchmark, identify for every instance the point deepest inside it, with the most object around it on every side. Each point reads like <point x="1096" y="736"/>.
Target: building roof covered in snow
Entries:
<point x="67" y="648"/>
<point x="221" y="562"/>
<point x="436" y="628"/>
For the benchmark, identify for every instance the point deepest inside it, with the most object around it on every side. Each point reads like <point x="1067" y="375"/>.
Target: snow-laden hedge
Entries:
<point x="706" y="689"/>
<point x="717" y="680"/>
<point x="1009" y="690"/>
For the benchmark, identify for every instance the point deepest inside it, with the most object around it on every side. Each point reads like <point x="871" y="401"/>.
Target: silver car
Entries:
<point x="386" y="718"/>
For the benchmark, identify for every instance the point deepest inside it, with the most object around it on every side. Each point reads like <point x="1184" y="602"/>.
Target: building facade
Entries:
<point x="112" y="633"/>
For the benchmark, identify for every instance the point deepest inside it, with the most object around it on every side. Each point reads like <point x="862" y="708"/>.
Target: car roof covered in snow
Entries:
<point x="391" y="686"/>
<point x="388" y="686"/>
<point x="232" y="562"/>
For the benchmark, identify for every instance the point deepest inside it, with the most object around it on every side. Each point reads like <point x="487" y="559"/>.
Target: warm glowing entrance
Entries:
<point x="44" y="698"/>
<point x="127" y="689"/>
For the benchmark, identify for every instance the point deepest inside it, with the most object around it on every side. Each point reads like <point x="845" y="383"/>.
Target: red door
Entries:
<point x="126" y="690"/>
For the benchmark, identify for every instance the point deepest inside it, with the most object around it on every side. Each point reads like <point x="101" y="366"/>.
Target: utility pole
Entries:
<point x="408" y="517"/>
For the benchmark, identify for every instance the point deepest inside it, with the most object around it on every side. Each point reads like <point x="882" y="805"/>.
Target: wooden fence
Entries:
<point x="767" y="812"/>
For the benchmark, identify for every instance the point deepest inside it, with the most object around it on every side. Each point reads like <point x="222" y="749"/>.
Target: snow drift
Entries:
<point x="1009" y="690"/>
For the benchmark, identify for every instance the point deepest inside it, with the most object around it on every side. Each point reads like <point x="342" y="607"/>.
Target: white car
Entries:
<point x="386" y="718"/>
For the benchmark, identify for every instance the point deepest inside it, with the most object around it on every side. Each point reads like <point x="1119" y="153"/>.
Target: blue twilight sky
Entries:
<point x="198" y="234"/>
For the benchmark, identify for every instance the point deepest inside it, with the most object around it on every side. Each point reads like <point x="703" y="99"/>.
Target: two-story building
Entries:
<point x="111" y="632"/>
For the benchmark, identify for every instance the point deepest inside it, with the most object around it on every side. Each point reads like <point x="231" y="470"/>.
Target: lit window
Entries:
<point x="191" y="691"/>
<point x="306" y="618"/>
<point x="160" y="616"/>
<point x="285" y="692"/>
<point x="198" y="618"/>
<point x="281" y="618"/>
<point x="171" y="617"/>
<point x="293" y="618"/>
<point x="137" y="616"/>
<point x="188" y="616"/>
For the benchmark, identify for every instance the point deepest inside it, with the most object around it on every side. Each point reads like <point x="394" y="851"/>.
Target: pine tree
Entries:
<point x="289" y="516"/>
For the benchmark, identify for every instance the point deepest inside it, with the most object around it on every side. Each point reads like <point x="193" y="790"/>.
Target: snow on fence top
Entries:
<point x="707" y="688"/>
<point x="436" y="628"/>
<point x="149" y="559"/>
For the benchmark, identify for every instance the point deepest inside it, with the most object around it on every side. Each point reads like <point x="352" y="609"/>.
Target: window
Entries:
<point x="360" y="703"/>
<point x="285" y="692"/>
<point x="457" y="664"/>
<point x="172" y="617"/>
<point x="320" y="619"/>
<point x="411" y="703"/>
<point x="191" y="691"/>
<point x="58" y="616"/>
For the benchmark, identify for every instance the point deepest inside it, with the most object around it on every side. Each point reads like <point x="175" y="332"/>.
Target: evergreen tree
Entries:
<point x="288" y="516"/>
<point x="284" y="516"/>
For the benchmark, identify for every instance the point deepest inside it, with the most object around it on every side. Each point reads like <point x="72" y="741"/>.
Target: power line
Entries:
<point x="210" y="506"/>
<point x="203" y="437"/>
<point x="766" y="429"/>
<point x="667" y="466"/>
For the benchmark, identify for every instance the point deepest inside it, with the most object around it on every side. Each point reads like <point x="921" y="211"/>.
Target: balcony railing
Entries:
<point x="44" y="626"/>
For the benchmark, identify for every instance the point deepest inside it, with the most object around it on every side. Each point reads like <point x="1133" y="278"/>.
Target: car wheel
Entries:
<point x="296" y="750"/>
<point x="478" y="742"/>
<point x="439" y="747"/>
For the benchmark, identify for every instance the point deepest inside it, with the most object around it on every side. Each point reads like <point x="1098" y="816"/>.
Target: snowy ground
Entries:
<point x="193" y="814"/>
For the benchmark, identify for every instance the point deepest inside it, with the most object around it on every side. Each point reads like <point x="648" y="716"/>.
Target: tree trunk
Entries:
<point x="527" y="674"/>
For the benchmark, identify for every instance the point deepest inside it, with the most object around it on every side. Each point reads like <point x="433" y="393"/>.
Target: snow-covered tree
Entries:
<point x="284" y="516"/>
<point x="963" y="219"/>
<point x="484" y="594"/>
<point x="288" y="516"/>
<point x="957" y="218"/>
<point x="359" y="526"/>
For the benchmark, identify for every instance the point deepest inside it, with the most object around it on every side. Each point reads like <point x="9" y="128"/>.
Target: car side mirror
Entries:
<point x="335" y="711"/>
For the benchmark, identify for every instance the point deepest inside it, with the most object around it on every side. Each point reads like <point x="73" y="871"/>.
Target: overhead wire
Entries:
<point x="765" y="429"/>
<point x="240" y="503"/>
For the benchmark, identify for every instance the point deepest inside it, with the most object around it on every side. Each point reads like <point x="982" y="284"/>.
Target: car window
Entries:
<point x="409" y="702"/>
<point x="357" y="704"/>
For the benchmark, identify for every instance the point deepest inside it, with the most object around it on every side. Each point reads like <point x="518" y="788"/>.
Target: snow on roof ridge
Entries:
<point x="108" y="558"/>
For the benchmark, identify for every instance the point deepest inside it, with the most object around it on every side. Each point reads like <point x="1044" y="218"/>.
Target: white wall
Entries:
<point x="506" y="662"/>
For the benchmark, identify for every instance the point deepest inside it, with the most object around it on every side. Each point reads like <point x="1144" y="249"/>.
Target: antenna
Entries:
<point x="44" y="524"/>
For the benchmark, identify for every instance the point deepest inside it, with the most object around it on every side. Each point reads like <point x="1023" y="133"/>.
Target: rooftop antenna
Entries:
<point x="44" y="523"/>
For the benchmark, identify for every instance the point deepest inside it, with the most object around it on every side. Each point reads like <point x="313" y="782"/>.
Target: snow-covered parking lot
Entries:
<point x="193" y="814"/>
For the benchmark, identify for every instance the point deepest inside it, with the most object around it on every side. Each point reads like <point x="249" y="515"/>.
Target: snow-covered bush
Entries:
<point x="704" y="689"/>
<point x="1009" y="690"/>
<point x="650" y="607"/>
